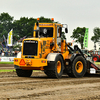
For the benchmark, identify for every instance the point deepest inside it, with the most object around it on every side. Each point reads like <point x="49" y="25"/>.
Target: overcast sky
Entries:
<point x="75" y="13"/>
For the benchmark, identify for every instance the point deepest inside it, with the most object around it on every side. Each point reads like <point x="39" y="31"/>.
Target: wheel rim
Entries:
<point x="95" y="59"/>
<point x="58" y="67"/>
<point x="79" y="67"/>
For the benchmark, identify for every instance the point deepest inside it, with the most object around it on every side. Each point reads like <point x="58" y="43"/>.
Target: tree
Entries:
<point x="79" y="34"/>
<point x="96" y="36"/>
<point x="5" y="24"/>
<point x="23" y="27"/>
<point x="45" y="20"/>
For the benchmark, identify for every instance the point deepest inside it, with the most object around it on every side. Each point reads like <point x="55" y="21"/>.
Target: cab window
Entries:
<point x="46" y="32"/>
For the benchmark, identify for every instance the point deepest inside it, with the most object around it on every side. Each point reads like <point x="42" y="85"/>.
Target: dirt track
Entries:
<point x="39" y="87"/>
<point x="6" y="66"/>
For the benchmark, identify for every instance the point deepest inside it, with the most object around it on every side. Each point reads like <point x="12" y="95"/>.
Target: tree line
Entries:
<point x="24" y="27"/>
<point x="79" y="33"/>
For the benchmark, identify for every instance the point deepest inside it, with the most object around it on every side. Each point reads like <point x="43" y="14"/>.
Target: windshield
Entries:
<point x="45" y="31"/>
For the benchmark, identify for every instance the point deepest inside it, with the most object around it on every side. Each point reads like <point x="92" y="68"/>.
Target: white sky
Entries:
<point x="75" y="13"/>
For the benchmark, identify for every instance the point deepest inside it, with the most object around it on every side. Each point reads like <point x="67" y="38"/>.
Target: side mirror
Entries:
<point x="66" y="30"/>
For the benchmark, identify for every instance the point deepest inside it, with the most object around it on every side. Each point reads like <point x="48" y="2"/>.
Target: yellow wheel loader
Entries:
<point x="49" y="52"/>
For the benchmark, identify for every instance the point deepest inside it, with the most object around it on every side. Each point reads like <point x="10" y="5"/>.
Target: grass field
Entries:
<point x="6" y="62"/>
<point x="97" y="63"/>
<point x="4" y="70"/>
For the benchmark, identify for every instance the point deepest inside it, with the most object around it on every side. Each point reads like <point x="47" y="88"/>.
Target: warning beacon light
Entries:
<point x="38" y="19"/>
<point x="52" y="19"/>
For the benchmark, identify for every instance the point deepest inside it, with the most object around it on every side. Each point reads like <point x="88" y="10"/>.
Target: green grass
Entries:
<point x="6" y="62"/>
<point x="97" y="62"/>
<point x="7" y="70"/>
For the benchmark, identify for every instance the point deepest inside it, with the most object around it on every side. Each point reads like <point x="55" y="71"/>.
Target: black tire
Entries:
<point x="50" y="73"/>
<point x="79" y="67"/>
<point x="23" y="73"/>
<point x="57" y="71"/>
<point x="95" y="58"/>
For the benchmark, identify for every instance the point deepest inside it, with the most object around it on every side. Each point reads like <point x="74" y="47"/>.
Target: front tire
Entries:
<point x="57" y="71"/>
<point x="79" y="67"/>
<point x="23" y="73"/>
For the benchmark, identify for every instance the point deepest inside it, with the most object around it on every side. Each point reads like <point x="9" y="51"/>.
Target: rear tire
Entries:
<point x="58" y="68"/>
<point x="79" y="67"/>
<point x="23" y="73"/>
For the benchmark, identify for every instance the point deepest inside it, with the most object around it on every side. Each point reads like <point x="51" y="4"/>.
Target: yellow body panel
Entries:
<point x="30" y="62"/>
